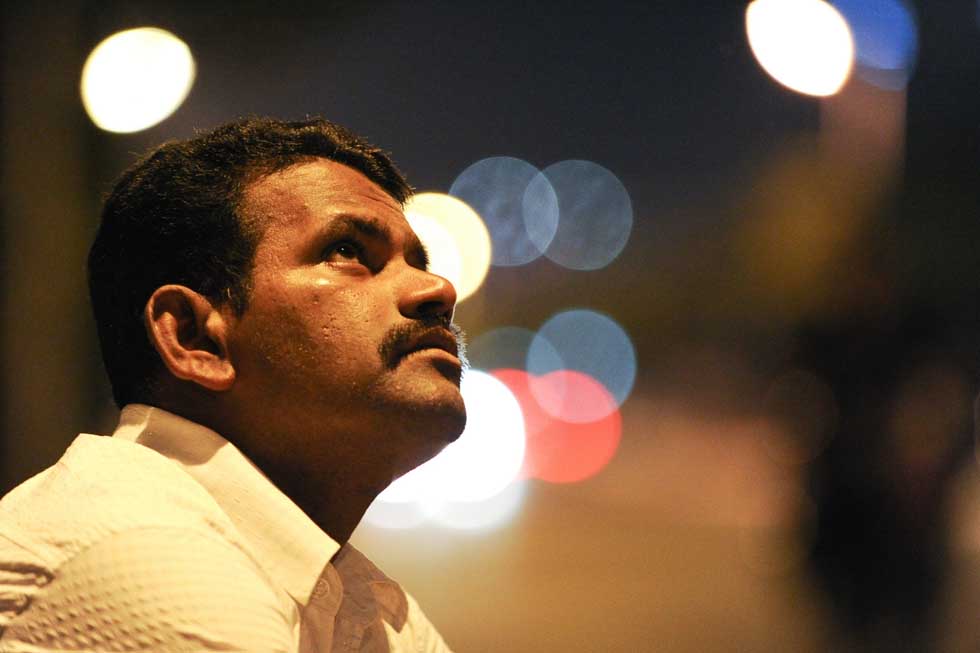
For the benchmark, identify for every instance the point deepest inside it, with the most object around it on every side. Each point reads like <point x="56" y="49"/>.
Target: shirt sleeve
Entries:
<point x="154" y="589"/>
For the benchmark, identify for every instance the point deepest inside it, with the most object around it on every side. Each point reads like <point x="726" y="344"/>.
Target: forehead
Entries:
<point x="307" y="194"/>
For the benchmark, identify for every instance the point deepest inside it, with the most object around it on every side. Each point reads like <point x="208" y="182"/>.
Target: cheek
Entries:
<point x="349" y="323"/>
<point x="312" y="327"/>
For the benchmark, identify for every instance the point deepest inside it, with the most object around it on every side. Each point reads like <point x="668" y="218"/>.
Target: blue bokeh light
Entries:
<point x="886" y="40"/>
<point x="500" y="348"/>
<point x="521" y="221"/>
<point x="586" y="341"/>
<point x="595" y="213"/>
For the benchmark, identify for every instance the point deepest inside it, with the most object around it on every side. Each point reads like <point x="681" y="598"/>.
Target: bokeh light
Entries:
<point x="486" y="458"/>
<point x="559" y="451"/>
<point x="595" y="213"/>
<point x="522" y="220"/>
<point x="503" y="347"/>
<point x="136" y="78"/>
<point x="805" y="45"/>
<point x="466" y="230"/>
<point x="886" y="40"/>
<point x="490" y="452"/>
<point x="400" y="515"/>
<point x="931" y="408"/>
<point x="573" y="396"/>
<point x="584" y="341"/>
<point x="484" y="514"/>
<point x="444" y="256"/>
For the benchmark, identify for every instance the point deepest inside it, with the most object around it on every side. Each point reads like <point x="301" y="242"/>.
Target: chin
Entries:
<point x="444" y="421"/>
<point x="442" y="412"/>
<point x="455" y="427"/>
<point x="428" y="437"/>
<point x="431" y="412"/>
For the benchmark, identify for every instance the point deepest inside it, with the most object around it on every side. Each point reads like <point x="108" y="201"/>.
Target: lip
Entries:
<point x="433" y="340"/>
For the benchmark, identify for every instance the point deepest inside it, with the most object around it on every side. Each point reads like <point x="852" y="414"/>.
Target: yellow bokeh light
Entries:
<point x="467" y="234"/>
<point x="136" y="78"/>
<point x="445" y="259"/>
<point x="806" y="45"/>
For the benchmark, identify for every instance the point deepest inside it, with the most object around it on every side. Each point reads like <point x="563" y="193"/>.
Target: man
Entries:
<point x="280" y="355"/>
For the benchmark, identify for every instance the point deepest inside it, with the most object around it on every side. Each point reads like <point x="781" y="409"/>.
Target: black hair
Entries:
<point x="173" y="217"/>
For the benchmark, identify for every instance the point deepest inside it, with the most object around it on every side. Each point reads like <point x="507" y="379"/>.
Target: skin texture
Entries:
<point x="310" y="382"/>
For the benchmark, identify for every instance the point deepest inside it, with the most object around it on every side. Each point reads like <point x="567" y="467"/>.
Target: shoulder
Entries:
<point x="156" y="589"/>
<point x="102" y="486"/>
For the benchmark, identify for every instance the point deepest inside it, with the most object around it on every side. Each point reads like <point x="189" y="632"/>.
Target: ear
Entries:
<point x="190" y="335"/>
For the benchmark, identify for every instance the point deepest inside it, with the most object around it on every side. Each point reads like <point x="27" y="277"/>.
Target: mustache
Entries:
<point x="398" y="338"/>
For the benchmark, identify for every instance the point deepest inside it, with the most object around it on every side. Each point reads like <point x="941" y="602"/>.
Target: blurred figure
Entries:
<point x="880" y="550"/>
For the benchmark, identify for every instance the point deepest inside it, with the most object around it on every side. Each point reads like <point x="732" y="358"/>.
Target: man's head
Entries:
<point x="265" y="270"/>
<point x="173" y="217"/>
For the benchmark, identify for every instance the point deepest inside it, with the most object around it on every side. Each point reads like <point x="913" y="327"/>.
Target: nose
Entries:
<point x="428" y="295"/>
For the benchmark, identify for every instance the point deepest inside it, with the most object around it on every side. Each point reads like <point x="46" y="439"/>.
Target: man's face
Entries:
<point x="344" y="350"/>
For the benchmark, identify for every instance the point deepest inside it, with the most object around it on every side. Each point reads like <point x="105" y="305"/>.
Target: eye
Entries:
<point x="344" y="251"/>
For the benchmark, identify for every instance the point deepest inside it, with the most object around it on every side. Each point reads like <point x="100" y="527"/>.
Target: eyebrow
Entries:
<point x="376" y="229"/>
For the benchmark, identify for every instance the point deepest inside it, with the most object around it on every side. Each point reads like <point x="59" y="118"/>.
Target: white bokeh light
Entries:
<point x="136" y="78"/>
<point x="481" y="515"/>
<point x="806" y="45"/>
<point x="481" y="464"/>
<point x="401" y="515"/>
<point x="488" y="456"/>
<point x="444" y="256"/>
<point x="467" y="232"/>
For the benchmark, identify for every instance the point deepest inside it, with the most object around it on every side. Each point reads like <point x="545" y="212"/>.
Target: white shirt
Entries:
<point x="165" y="537"/>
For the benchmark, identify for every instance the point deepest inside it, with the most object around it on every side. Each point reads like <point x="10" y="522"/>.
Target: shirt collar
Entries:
<point x="293" y="549"/>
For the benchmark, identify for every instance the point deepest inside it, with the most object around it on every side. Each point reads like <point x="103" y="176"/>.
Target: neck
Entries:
<point x="335" y="502"/>
<point x="333" y="485"/>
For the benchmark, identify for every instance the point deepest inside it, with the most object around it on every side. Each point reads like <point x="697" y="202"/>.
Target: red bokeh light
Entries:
<point x="559" y="450"/>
